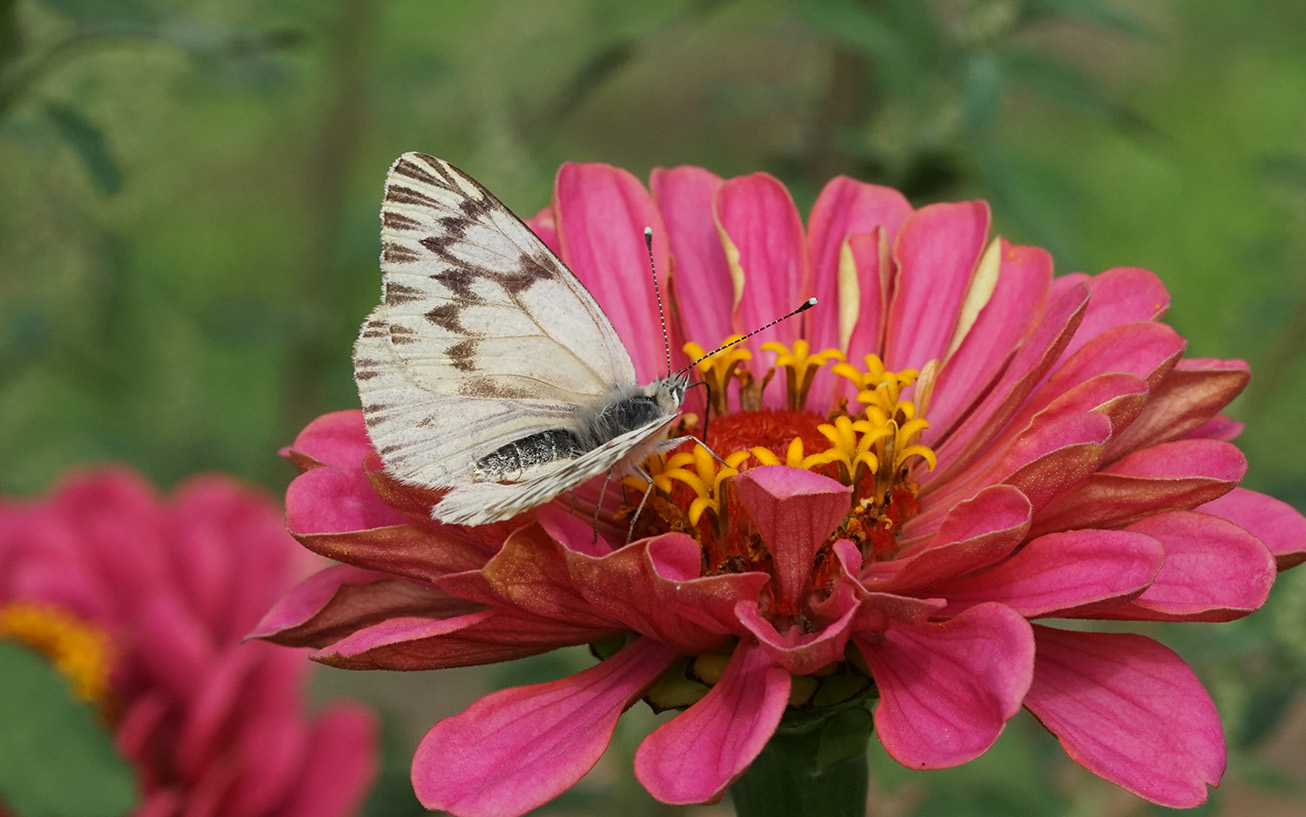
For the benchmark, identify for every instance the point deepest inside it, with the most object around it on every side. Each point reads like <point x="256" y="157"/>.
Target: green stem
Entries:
<point x="815" y="764"/>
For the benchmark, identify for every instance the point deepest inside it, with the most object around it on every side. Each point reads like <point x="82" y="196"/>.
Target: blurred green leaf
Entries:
<point x="393" y="796"/>
<point x="1267" y="708"/>
<point x="1287" y="169"/>
<point x="1105" y="14"/>
<point x="213" y="43"/>
<point x="862" y="28"/>
<point x="87" y="141"/>
<point x="982" y="92"/>
<point x="1267" y="777"/>
<point x="56" y="758"/>
<point x="1096" y="12"/>
<point x="1070" y="87"/>
<point x="98" y="11"/>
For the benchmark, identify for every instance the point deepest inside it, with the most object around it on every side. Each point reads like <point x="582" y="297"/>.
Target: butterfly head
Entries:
<point x="669" y="392"/>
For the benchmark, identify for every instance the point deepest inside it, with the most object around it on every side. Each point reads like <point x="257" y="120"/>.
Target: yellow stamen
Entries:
<point x="719" y="369"/>
<point x="893" y="419"/>
<point x="876" y="386"/>
<point x="800" y="366"/>
<point x="81" y="652"/>
<point x="705" y="480"/>
<point x="851" y="446"/>
<point x="795" y="457"/>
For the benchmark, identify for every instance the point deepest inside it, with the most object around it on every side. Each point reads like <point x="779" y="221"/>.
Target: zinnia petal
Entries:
<point x="519" y="748"/>
<point x="765" y="247"/>
<point x="794" y="511"/>
<point x="847" y="208"/>
<point x="1189" y="396"/>
<point x="328" y="500"/>
<point x="948" y="688"/>
<point x="601" y="215"/>
<point x="332" y="747"/>
<point x="1172" y="476"/>
<point x="1011" y="313"/>
<point x="1130" y="710"/>
<point x="693" y="757"/>
<point x="1119" y="296"/>
<point x="1276" y="523"/>
<point x="338" y="438"/>
<point x="1214" y="570"/>
<point x="974" y="534"/>
<point x="704" y="290"/>
<point x="1059" y="572"/>
<point x="936" y="254"/>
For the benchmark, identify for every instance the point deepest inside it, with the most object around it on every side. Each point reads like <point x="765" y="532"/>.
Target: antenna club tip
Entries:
<point x="807" y="304"/>
<point x="648" y="231"/>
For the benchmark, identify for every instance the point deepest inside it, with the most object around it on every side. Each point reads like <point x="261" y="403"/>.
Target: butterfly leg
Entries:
<point x="635" y="518"/>
<point x="599" y="505"/>
<point x="667" y="445"/>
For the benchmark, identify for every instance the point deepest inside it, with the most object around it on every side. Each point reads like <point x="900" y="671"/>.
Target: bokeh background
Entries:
<point x="188" y="240"/>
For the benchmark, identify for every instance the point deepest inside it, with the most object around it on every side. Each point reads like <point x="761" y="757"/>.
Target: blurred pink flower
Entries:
<point x="978" y="446"/>
<point x="154" y="595"/>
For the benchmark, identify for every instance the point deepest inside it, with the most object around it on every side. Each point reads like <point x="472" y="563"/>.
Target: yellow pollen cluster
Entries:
<point x="82" y="652"/>
<point x="800" y="366"/>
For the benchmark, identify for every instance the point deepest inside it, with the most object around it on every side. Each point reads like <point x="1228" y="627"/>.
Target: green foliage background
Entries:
<point x="188" y="231"/>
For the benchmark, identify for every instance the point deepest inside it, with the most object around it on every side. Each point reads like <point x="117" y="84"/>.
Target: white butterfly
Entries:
<point x="488" y="369"/>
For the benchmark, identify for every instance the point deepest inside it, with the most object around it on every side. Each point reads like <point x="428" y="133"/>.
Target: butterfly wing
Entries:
<point x="478" y="503"/>
<point x="482" y="337"/>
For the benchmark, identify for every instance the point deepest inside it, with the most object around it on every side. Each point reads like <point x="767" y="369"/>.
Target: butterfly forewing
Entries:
<point x="482" y="337"/>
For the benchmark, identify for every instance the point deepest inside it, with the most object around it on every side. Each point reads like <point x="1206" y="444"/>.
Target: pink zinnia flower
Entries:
<point x="979" y="446"/>
<point x="143" y="602"/>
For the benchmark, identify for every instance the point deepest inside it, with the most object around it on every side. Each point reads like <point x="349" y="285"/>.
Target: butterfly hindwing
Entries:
<point x="480" y="502"/>
<point x="483" y="336"/>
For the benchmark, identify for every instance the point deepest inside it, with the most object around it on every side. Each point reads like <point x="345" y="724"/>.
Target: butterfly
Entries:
<point x="488" y="370"/>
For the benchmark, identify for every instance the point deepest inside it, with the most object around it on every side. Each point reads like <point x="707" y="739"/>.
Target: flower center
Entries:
<point x="80" y="651"/>
<point x="864" y="433"/>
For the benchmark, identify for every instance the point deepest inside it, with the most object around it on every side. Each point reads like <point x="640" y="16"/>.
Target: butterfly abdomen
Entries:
<point x="625" y="410"/>
<point x="511" y="461"/>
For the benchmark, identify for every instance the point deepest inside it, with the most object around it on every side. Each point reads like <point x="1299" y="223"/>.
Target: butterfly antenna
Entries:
<point x="807" y="304"/>
<point x="666" y="339"/>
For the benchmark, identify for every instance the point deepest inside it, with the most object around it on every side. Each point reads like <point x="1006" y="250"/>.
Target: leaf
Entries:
<point x="392" y="794"/>
<point x="981" y="92"/>
<point x="87" y="141"/>
<point x="1070" y="87"/>
<point x="56" y="758"/>
<point x="1096" y="12"/>
<point x="857" y="26"/>
<point x="100" y="11"/>
<point x="1267" y="708"/>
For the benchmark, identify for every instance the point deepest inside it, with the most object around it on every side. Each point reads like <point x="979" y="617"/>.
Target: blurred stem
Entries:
<point x="326" y="178"/>
<point x="612" y="58"/>
<point x="1285" y="349"/>
<point x="814" y="764"/>
<point x="844" y="111"/>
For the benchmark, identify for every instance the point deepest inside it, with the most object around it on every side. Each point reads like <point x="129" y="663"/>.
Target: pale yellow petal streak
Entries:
<point x="736" y="269"/>
<point x="850" y="294"/>
<point x="982" y="284"/>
